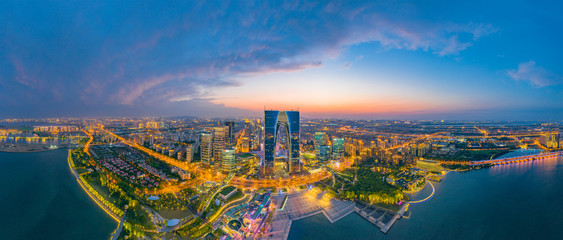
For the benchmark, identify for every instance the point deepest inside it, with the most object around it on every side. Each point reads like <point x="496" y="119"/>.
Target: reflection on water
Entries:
<point x="523" y="167"/>
<point x="520" y="152"/>
<point x="40" y="140"/>
<point x="512" y="201"/>
<point x="548" y="165"/>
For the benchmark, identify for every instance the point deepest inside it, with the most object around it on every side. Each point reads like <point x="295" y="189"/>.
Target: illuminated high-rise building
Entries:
<point x="550" y="140"/>
<point x="247" y="128"/>
<point x="245" y="145"/>
<point x="219" y="141"/>
<point x="287" y="121"/>
<point x="230" y="134"/>
<point x="360" y="146"/>
<point x="337" y="148"/>
<point x="189" y="152"/>
<point x="324" y="153"/>
<point x="206" y="148"/>
<point x="228" y="160"/>
<point x="320" y="146"/>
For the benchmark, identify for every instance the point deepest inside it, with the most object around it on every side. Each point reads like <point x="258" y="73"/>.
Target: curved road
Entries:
<point x="230" y="205"/>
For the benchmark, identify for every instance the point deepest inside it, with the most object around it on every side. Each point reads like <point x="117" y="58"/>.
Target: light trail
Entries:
<point x="87" y="145"/>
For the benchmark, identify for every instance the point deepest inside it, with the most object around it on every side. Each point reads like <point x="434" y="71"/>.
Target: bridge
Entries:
<point x="520" y="159"/>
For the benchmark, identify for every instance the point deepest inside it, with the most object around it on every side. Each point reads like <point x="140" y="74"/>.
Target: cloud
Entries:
<point x="479" y="30"/>
<point x="536" y="76"/>
<point x="158" y="53"/>
<point x="453" y="46"/>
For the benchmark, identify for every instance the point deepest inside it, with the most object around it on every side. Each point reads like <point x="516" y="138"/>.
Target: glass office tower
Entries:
<point x="288" y="121"/>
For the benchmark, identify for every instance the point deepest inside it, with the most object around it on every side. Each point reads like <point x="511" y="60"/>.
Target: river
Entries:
<point x="516" y="201"/>
<point x="40" y="199"/>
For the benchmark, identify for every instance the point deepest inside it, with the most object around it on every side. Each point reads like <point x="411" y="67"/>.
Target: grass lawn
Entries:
<point x="245" y="155"/>
<point x="171" y="214"/>
<point x="227" y="190"/>
<point x="308" y="156"/>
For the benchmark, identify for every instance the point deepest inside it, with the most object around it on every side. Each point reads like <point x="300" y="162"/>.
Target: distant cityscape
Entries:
<point x="241" y="178"/>
<point x="281" y="120"/>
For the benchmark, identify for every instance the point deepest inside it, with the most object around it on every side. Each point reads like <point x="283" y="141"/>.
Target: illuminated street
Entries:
<point x="286" y="120"/>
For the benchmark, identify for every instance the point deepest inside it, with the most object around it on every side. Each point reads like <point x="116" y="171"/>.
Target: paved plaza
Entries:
<point x="304" y="203"/>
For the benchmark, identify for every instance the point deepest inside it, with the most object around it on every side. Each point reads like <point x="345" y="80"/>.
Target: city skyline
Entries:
<point x="384" y="60"/>
<point x="281" y="120"/>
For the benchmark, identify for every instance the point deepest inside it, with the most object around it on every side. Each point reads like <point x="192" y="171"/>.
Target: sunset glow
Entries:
<point x="428" y="60"/>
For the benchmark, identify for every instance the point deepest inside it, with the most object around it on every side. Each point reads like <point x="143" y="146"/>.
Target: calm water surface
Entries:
<point x="517" y="201"/>
<point x="40" y="199"/>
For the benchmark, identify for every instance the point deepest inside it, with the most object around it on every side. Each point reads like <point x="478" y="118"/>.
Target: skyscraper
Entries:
<point x="337" y="148"/>
<point x="206" y="148"/>
<point x="230" y="134"/>
<point x="219" y="140"/>
<point x="324" y="153"/>
<point x="287" y="121"/>
<point x="228" y="162"/>
<point x="245" y="144"/>
<point x="247" y="128"/>
<point x="189" y="152"/>
<point x="550" y="140"/>
<point x="320" y="143"/>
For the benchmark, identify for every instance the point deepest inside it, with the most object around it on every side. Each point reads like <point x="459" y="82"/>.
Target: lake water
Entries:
<point x="38" y="140"/>
<point x="40" y="199"/>
<point x="517" y="201"/>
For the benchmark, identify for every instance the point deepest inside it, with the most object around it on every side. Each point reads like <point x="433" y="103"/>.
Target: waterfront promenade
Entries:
<point x="92" y="196"/>
<point x="427" y="198"/>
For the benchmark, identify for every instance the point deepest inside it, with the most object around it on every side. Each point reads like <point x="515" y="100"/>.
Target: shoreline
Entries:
<point x="91" y="195"/>
<point x="115" y="234"/>
<point x="29" y="151"/>
<point x="28" y="148"/>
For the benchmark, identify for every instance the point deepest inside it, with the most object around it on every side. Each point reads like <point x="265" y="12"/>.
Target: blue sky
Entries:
<point x="348" y="59"/>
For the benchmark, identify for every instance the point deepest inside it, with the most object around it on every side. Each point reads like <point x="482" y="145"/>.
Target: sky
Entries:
<point x="459" y="60"/>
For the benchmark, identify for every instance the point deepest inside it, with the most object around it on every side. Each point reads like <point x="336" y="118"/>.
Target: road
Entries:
<point x="226" y="207"/>
<point x="87" y="145"/>
<point x="208" y="174"/>
<point x="243" y="183"/>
